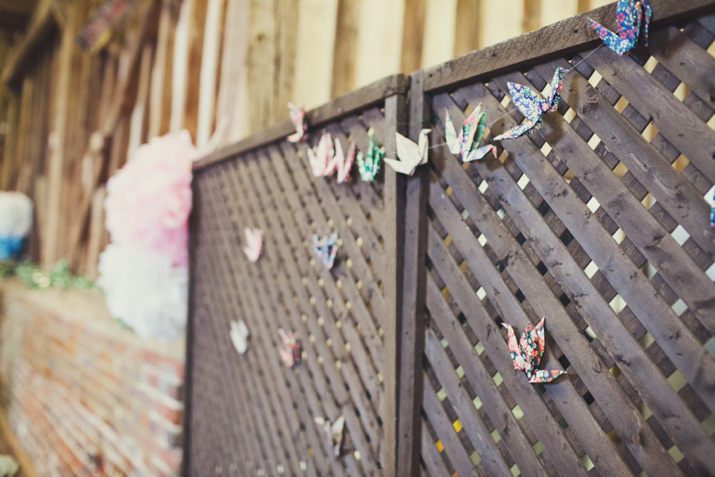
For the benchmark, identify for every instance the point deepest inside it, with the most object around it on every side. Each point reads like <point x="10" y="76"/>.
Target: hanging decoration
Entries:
<point x="15" y="224"/>
<point x="97" y="32"/>
<point x="526" y="355"/>
<point x="239" y="336"/>
<point x="631" y="15"/>
<point x="320" y="156"/>
<point x="710" y="199"/>
<point x="254" y="244"/>
<point x="470" y="136"/>
<point x="341" y="163"/>
<point x="144" y="290"/>
<point x="326" y="249"/>
<point x="290" y="350"/>
<point x="409" y="154"/>
<point x="369" y="164"/>
<point x="333" y="433"/>
<point x="533" y="106"/>
<point x="297" y="117"/>
<point x="144" y="272"/>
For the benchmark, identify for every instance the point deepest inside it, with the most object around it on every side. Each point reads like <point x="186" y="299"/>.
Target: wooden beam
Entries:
<point x="56" y="151"/>
<point x="570" y="35"/>
<point x="469" y="13"/>
<point x="379" y="40"/>
<point x="99" y="139"/>
<point x="209" y="70"/>
<point x="342" y="106"/>
<point x="346" y="31"/>
<point x="42" y="25"/>
<point x="414" y="30"/>
<point x="16" y="14"/>
<point x="156" y="99"/>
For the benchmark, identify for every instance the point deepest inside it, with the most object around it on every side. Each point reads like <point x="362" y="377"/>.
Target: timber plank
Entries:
<point x="369" y="95"/>
<point x="491" y="459"/>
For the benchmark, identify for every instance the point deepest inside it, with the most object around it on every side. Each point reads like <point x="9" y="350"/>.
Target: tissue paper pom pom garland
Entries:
<point x="144" y="290"/>
<point x="149" y="199"/>
<point x="15" y="223"/>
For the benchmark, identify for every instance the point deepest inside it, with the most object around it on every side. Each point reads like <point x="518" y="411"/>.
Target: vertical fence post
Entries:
<point x="411" y="319"/>
<point x="396" y="114"/>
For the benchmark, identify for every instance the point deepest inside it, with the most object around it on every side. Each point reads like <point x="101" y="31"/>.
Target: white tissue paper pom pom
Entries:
<point x="15" y="214"/>
<point x="144" y="290"/>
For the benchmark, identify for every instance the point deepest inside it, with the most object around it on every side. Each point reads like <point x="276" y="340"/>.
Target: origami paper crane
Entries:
<point x="533" y="105"/>
<point x="630" y="15"/>
<point x="710" y="198"/>
<point x="469" y="136"/>
<point x="369" y="165"/>
<point x="409" y="154"/>
<point x="527" y="354"/>
<point x="341" y="163"/>
<point x="239" y="336"/>
<point x="297" y="116"/>
<point x="254" y="244"/>
<point x="326" y="248"/>
<point x="322" y="155"/>
<point x="333" y="432"/>
<point x="290" y="352"/>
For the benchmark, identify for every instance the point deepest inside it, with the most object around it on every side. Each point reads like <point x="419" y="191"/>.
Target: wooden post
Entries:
<point x="56" y="151"/>
<point x="396" y="112"/>
<point x="411" y="319"/>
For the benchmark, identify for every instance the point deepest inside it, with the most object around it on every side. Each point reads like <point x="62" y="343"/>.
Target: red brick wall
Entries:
<point x="83" y="396"/>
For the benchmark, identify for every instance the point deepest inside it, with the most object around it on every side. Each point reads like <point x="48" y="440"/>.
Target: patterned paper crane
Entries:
<point x="369" y="164"/>
<point x="533" y="105"/>
<point x="326" y="249"/>
<point x="471" y="133"/>
<point x="631" y="15"/>
<point x="297" y="117"/>
<point x="342" y="163"/>
<point x="526" y="355"/>
<point x="322" y="155"/>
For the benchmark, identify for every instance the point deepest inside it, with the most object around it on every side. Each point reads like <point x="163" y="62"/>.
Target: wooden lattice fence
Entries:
<point x="338" y="314"/>
<point x="597" y="222"/>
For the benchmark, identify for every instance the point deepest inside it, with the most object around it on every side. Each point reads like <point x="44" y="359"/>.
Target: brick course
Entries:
<point x="84" y="396"/>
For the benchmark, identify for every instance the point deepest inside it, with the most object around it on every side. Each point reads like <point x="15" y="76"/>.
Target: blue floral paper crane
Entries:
<point x="533" y="105"/>
<point x="630" y="15"/>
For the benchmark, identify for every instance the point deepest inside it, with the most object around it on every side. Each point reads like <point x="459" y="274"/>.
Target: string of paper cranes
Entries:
<point x="327" y="157"/>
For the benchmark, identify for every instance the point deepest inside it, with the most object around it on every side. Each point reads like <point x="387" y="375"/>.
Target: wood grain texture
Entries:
<point x="554" y="40"/>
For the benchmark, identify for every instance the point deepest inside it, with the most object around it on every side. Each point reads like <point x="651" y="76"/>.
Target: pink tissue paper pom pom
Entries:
<point x="149" y="200"/>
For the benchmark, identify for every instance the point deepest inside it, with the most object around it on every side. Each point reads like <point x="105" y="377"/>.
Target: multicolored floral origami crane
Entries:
<point x="410" y="154"/>
<point x="290" y="351"/>
<point x="326" y="248"/>
<point x="322" y="155"/>
<point x="342" y="163"/>
<point x="527" y="354"/>
<point x="533" y="105"/>
<point x="469" y="136"/>
<point x="630" y="15"/>
<point x="369" y="164"/>
<point x="297" y="117"/>
<point x="710" y="199"/>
